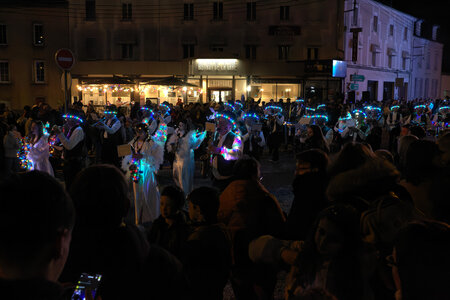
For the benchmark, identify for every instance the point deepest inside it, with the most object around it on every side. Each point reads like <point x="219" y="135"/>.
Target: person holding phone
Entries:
<point x="37" y="248"/>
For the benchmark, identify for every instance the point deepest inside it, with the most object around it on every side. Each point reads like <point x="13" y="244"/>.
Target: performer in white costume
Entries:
<point x="141" y="167"/>
<point x="39" y="149"/>
<point x="183" y="143"/>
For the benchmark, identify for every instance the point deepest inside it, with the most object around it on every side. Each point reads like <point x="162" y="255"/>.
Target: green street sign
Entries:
<point x="354" y="86"/>
<point x="356" y="77"/>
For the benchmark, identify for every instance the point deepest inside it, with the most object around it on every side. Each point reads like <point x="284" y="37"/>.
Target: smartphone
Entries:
<point x="86" y="281"/>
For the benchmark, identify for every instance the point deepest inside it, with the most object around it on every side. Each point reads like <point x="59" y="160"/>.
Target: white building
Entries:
<point x="386" y="66"/>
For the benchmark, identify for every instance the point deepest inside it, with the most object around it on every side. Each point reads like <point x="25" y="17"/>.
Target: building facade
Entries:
<point x="29" y="38"/>
<point x="225" y="50"/>
<point x="386" y="63"/>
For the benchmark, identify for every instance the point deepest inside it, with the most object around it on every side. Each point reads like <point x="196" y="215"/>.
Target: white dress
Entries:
<point x="184" y="164"/>
<point x="38" y="154"/>
<point x="145" y="191"/>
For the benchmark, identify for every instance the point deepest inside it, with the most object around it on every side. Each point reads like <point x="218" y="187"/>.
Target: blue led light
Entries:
<point x="359" y="112"/>
<point x="321" y="106"/>
<point x="420" y="106"/>
<point x="310" y="108"/>
<point x="165" y="106"/>
<point x="253" y="115"/>
<point x="394" y="107"/>
<point x="108" y="112"/>
<point x="273" y="107"/>
<point x="444" y="107"/>
<point x="73" y="117"/>
<point x="300" y="100"/>
<point x="347" y="117"/>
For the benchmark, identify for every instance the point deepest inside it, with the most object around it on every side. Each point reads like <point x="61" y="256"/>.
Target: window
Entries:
<point x="284" y="13"/>
<point x="391" y="30"/>
<point x="218" y="10"/>
<point x="91" y="48"/>
<point x="405" y="34"/>
<point x="38" y="34"/>
<point x="375" y="23"/>
<point x="390" y="59"/>
<point x="216" y="48"/>
<point x="188" y="11"/>
<point x="404" y="63"/>
<point x="313" y="53"/>
<point x="250" y="52"/>
<point x="188" y="51"/>
<point x="251" y="11"/>
<point x="3" y="39"/>
<point x="90" y="10"/>
<point x="39" y="71"/>
<point x="127" y="51"/>
<point x="126" y="11"/>
<point x="374" y="59"/>
<point x="283" y="52"/>
<point x="4" y="71"/>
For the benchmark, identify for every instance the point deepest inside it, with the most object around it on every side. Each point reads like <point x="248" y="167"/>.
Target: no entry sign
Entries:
<point x="64" y="59"/>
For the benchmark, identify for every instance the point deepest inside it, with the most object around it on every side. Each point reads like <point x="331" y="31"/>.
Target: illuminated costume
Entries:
<point x="142" y="174"/>
<point x="184" y="164"/>
<point x="39" y="153"/>
<point x="230" y="145"/>
<point x="253" y="139"/>
<point x="112" y="136"/>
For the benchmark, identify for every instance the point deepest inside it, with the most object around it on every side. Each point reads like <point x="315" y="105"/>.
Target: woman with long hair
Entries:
<point x="39" y="149"/>
<point x="315" y="139"/>
<point x="141" y="167"/>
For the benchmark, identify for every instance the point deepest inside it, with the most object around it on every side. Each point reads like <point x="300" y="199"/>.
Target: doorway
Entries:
<point x="217" y="95"/>
<point x="372" y="88"/>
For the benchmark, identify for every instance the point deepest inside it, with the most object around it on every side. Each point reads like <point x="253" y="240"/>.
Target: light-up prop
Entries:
<point x="420" y="106"/>
<point x="231" y="107"/>
<point x="165" y="107"/>
<point x="274" y="109"/>
<point x="234" y="125"/>
<point x="252" y="116"/>
<point x="67" y="116"/>
<point x="359" y="113"/>
<point x="109" y="112"/>
<point x="23" y="154"/>
<point x="347" y="117"/>
<point x="444" y="107"/>
<point x="233" y="153"/>
<point x="150" y="111"/>
<point x="300" y="100"/>
<point x="395" y="107"/>
<point x="135" y="170"/>
<point x="239" y="106"/>
<point x="321" y="106"/>
<point x="161" y="134"/>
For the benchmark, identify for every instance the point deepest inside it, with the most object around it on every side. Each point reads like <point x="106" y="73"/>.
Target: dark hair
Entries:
<point x="422" y="250"/>
<point x="40" y="126"/>
<point x="141" y="126"/>
<point x="352" y="156"/>
<point x="418" y="131"/>
<point x="315" y="294"/>
<point x="207" y="198"/>
<point x="100" y="196"/>
<point x="175" y="194"/>
<point x="421" y="161"/>
<point x="246" y="168"/>
<point x="34" y="208"/>
<point x="385" y="154"/>
<point x="316" y="157"/>
<point x="348" y="283"/>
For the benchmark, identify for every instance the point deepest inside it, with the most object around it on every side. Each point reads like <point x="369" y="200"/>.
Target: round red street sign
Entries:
<point x="64" y="59"/>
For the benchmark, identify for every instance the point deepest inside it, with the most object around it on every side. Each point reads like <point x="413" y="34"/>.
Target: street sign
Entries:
<point x="64" y="59"/>
<point x="356" y="77"/>
<point x="354" y="86"/>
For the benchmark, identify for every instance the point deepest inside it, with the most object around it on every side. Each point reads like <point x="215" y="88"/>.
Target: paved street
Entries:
<point x="277" y="177"/>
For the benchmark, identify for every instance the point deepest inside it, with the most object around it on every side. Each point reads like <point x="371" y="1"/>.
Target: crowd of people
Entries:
<point x="369" y="218"/>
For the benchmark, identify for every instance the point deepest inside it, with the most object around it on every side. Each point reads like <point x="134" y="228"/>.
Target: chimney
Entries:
<point x="435" y="32"/>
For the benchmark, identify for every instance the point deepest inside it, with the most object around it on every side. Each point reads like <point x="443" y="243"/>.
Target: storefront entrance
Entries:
<point x="217" y="95"/>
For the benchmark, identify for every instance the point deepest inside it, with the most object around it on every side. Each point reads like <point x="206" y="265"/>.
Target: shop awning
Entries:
<point x="105" y="80"/>
<point x="391" y="52"/>
<point x="375" y="48"/>
<point x="405" y="54"/>
<point x="171" y="81"/>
